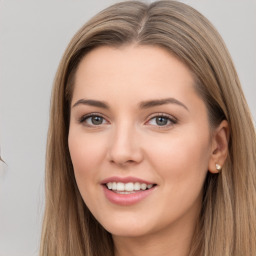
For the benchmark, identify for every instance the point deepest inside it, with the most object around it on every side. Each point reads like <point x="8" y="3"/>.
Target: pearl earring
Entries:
<point x="218" y="167"/>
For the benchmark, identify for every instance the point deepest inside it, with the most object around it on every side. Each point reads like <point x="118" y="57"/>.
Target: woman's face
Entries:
<point x="139" y="140"/>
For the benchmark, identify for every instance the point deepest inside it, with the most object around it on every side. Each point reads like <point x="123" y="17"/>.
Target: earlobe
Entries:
<point x="219" y="150"/>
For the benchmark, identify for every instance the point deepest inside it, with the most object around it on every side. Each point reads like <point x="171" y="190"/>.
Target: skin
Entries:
<point x="130" y="142"/>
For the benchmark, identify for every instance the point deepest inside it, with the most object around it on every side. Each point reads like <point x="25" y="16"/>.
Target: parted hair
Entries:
<point x="227" y="223"/>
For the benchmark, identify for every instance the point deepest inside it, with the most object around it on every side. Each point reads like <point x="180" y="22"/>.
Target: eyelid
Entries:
<point x="170" y="117"/>
<point x="84" y="117"/>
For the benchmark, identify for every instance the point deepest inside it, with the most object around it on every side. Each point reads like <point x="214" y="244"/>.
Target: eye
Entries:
<point x="93" y="120"/>
<point x="162" y="121"/>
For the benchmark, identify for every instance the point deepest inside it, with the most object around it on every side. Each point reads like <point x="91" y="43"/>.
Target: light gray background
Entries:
<point x="33" y="37"/>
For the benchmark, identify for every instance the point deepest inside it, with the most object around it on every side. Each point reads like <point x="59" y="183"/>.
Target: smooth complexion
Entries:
<point x="136" y="115"/>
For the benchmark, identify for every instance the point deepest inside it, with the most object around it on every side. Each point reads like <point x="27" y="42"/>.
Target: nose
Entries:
<point x="125" y="148"/>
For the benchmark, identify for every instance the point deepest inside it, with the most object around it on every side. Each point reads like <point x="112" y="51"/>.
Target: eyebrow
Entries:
<point x="95" y="103"/>
<point x="154" y="103"/>
<point x="142" y="105"/>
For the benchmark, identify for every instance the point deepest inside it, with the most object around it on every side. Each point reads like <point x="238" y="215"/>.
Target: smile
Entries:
<point x="128" y="188"/>
<point x="126" y="191"/>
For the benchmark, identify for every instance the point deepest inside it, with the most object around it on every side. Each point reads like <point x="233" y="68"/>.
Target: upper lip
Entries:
<point x="125" y="180"/>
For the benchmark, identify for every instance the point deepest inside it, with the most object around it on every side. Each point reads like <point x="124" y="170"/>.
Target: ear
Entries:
<point x="219" y="150"/>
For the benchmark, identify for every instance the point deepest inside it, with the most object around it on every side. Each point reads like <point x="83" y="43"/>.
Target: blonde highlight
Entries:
<point x="227" y="224"/>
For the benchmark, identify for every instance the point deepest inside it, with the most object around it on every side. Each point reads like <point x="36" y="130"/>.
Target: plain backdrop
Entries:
<point x="33" y="37"/>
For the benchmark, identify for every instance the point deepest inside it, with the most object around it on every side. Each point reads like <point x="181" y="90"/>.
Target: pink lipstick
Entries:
<point x="126" y="190"/>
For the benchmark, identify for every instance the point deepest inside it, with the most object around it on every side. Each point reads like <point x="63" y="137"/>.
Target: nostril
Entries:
<point x="123" y="163"/>
<point x="124" y="152"/>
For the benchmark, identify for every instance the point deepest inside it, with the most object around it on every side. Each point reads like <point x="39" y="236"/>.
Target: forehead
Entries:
<point x="132" y="70"/>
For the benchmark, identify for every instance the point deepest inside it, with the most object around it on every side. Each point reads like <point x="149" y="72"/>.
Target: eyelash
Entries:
<point x="172" y="121"/>
<point x="85" y="117"/>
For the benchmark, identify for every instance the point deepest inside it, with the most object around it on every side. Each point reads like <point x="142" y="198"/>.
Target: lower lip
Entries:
<point x="127" y="199"/>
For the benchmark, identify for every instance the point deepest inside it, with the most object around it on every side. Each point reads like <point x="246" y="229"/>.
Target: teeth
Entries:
<point x="120" y="186"/>
<point x="109" y="185"/>
<point x="128" y="186"/>
<point x="113" y="185"/>
<point x="136" y="186"/>
<point x="143" y="186"/>
<point x="125" y="188"/>
<point x="125" y="192"/>
<point x="149" y="186"/>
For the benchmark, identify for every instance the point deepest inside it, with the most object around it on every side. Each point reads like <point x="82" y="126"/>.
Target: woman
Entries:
<point x="151" y="145"/>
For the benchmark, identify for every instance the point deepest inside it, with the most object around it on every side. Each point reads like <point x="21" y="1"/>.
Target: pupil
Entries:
<point x="161" y="120"/>
<point x="97" y="120"/>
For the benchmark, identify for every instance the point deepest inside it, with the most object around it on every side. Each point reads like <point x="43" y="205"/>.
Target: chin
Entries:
<point x="127" y="232"/>
<point x="127" y="228"/>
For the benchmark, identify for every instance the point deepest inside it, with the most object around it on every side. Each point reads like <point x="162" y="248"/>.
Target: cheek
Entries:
<point x="181" y="163"/>
<point x="182" y="159"/>
<point x="86" y="154"/>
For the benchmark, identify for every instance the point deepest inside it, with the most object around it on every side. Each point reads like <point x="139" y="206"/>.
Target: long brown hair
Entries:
<point x="227" y="224"/>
